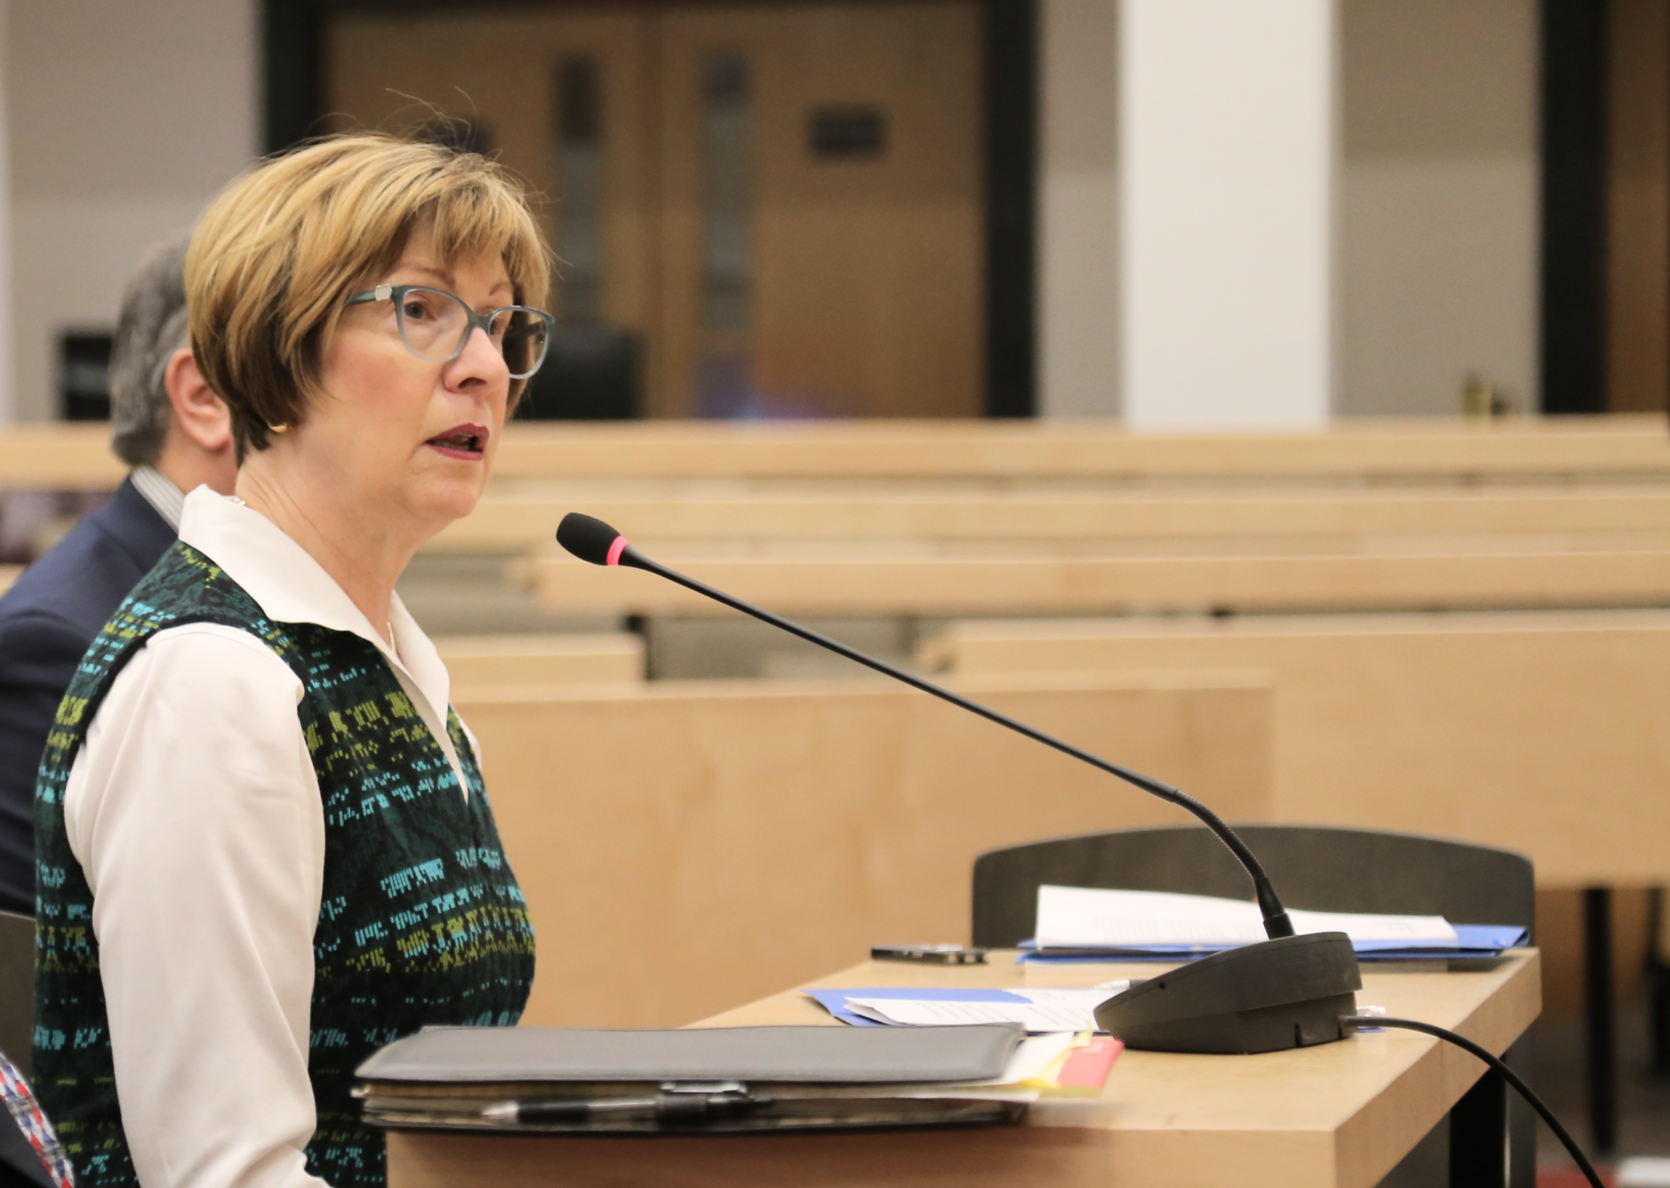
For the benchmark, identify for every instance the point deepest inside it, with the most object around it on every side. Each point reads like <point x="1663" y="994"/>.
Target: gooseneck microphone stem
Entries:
<point x="1276" y="922"/>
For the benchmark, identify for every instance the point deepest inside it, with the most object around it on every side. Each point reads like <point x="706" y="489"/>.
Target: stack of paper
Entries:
<point x="924" y="1006"/>
<point x="1086" y="923"/>
<point x="1063" y="1056"/>
<point x="1059" y="1063"/>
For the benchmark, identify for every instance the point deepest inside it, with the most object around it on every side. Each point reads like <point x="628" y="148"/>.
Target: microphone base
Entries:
<point x="1266" y="997"/>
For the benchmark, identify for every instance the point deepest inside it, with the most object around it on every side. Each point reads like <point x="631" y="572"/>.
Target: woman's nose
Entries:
<point x="480" y="359"/>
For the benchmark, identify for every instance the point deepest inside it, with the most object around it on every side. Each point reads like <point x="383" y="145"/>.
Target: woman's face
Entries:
<point x="399" y="436"/>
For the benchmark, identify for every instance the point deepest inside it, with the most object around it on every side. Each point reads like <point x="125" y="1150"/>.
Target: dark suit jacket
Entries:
<point x="47" y="619"/>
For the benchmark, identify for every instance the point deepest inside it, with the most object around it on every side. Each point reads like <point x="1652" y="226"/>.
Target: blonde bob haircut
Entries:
<point x="285" y="245"/>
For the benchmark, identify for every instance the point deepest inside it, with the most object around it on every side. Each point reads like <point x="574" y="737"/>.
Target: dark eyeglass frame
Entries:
<point x="472" y="320"/>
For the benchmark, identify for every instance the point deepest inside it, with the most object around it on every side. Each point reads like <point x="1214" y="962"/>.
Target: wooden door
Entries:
<point x="782" y="201"/>
<point x="865" y="176"/>
<point x="502" y="72"/>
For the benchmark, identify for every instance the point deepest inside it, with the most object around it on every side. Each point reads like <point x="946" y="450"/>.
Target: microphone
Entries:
<point x="1285" y="992"/>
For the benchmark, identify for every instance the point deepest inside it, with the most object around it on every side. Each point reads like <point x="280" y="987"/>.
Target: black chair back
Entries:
<point x="1314" y="867"/>
<point x="17" y="988"/>
<point x="591" y="373"/>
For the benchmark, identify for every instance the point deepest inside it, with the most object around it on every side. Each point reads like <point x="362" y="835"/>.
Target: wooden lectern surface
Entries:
<point x="1341" y="1114"/>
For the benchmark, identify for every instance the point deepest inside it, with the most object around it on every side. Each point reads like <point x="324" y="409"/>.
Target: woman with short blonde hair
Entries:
<point x="264" y="849"/>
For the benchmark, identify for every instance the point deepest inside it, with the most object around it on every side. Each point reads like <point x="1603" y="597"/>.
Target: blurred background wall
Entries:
<point x="1433" y="239"/>
<point x="122" y="120"/>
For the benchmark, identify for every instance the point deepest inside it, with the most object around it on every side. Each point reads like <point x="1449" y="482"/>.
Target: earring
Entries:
<point x="279" y="428"/>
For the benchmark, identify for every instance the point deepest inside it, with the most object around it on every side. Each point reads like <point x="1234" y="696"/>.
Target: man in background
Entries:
<point x="176" y="434"/>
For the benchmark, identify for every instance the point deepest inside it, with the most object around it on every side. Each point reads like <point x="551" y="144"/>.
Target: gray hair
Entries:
<point x="151" y="328"/>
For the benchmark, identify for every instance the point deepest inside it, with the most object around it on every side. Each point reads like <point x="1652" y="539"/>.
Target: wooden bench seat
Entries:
<point x="952" y="586"/>
<point x="1286" y="521"/>
<point x="1410" y="450"/>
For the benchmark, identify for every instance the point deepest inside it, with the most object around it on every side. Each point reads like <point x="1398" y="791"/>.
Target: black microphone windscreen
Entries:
<point x="587" y="537"/>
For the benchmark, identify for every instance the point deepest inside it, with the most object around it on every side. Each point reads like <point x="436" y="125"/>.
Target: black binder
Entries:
<point x="726" y="1079"/>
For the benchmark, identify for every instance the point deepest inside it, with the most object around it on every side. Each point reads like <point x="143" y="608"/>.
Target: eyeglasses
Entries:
<point x="435" y="325"/>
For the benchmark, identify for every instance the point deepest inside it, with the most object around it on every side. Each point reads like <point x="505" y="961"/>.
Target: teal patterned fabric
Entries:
<point x="421" y="921"/>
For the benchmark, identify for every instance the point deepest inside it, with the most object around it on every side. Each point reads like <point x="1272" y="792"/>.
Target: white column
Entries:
<point x="1227" y="173"/>
<point x="1078" y="289"/>
<point x="125" y="121"/>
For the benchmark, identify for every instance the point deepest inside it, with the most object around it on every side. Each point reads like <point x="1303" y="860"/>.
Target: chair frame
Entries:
<point x="1321" y="868"/>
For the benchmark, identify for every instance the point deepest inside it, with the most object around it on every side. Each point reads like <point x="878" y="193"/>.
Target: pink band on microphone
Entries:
<point x="615" y="550"/>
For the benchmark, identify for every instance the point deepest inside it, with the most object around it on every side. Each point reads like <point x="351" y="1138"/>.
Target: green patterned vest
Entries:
<point x="421" y="920"/>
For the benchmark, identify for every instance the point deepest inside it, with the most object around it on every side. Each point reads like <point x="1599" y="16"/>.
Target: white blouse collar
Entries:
<point x="291" y="587"/>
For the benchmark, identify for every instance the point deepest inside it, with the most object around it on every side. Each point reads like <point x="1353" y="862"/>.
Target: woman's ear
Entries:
<point x="201" y="415"/>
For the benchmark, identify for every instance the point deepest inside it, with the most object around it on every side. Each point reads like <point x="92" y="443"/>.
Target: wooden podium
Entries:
<point x="1338" y="1115"/>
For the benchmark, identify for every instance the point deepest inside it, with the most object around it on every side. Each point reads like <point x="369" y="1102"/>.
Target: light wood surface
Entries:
<point x="56" y="456"/>
<point x="1335" y="1116"/>
<point x="752" y="834"/>
<point x="1302" y="521"/>
<point x="914" y="585"/>
<point x="1412" y="450"/>
<point x="1543" y="733"/>
<point x="474" y="660"/>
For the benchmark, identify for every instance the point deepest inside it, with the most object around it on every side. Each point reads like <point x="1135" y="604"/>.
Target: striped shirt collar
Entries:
<point x="167" y="500"/>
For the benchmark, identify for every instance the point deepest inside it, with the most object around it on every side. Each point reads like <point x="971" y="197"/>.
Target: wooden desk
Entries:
<point x="1336" y="1116"/>
<point x="1406" y="450"/>
<point x="474" y="661"/>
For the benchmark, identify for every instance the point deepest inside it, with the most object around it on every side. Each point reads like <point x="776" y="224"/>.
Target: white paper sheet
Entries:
<point x="1033" y="1055"/>
<point x="1084" y="916"/>
<point x="1045" y="1010"/>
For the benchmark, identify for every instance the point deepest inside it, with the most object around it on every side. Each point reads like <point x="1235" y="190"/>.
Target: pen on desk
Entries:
<point x="668" y="1109"/>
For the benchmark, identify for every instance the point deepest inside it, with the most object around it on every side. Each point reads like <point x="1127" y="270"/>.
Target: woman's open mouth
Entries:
<point x="464" y="442"/>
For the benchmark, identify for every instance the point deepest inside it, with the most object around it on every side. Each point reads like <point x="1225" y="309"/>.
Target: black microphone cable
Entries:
<point x="1547" y="1115"/>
